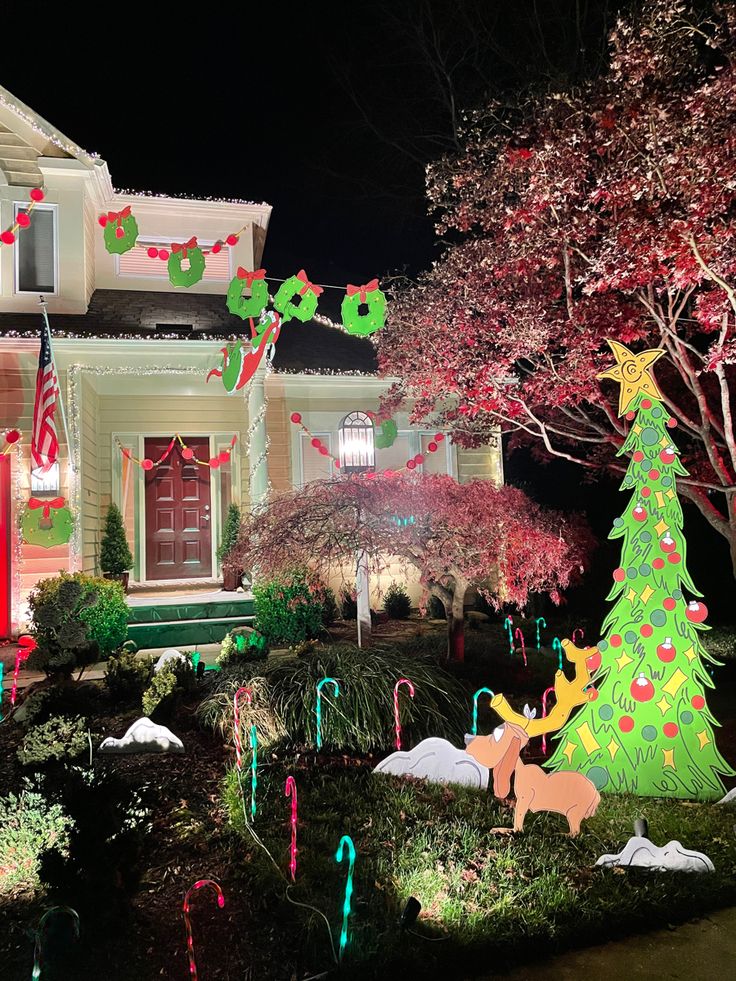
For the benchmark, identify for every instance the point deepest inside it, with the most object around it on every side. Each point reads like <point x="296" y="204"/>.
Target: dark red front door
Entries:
<point x="5" y="546"/>
<point x="178" y="513"/>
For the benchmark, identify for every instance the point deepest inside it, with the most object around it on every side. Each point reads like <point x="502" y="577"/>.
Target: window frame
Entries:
<point x="54" y="209"/>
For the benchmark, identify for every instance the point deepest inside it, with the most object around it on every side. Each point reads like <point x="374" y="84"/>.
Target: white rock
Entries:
<point x="143" y="736"/>
<point x="438" y="761"/>
<point x="730" y="798"/>
<point x="672" y="857"/>
<point x="171" y="654"/>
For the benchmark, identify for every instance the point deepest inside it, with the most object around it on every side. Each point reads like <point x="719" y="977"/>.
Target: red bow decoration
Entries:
<point x="185" y="246"/>
<point x="367" y="288"/>
<point x="302" y="276"/>
<point x="118" y="216"/>
<point x="250" y="276"/>
<point x="55" y="502"/>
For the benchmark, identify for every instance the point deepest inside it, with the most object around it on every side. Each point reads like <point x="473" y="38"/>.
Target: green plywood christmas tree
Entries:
<point x="649" y="730"/>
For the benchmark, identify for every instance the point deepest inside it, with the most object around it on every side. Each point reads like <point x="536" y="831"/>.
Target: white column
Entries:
<point x="257" y="451"/>
<point x="363" y="598"/>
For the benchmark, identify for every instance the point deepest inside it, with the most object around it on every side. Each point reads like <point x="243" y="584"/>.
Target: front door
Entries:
<point x="178" y="513"/>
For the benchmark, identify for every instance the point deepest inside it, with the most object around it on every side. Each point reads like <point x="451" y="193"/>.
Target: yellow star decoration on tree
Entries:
<point x="633" y="373"/>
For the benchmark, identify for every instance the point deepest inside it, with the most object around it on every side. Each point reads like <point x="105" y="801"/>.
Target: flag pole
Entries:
<point x="42" y="304"/>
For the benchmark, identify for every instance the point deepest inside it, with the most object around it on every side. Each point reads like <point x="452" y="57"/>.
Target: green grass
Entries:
<point x="488" y="895"/>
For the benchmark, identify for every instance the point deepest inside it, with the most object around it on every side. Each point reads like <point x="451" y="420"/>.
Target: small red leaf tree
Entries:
<point x="605" y="210"/>
<point x="455" y="535"/>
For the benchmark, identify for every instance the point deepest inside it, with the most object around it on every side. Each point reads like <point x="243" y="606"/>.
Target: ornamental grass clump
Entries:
<point x="216" y="711"/>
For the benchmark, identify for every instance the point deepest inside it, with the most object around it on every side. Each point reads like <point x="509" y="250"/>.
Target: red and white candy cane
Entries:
<point x="26" y="646"/>
<point x="577" y="630"/>
<point x="549" y="691"/>
<point x="397" y="717"/>
<point x="518" y="633"/>
<point x="248" y="692"/>
<point x="290" y="791"/>
<point x="199" y="884"/>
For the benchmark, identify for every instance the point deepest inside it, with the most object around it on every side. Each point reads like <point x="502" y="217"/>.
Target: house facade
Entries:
<point x="133" y="354"/>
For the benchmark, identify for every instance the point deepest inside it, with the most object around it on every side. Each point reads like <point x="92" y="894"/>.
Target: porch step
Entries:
<point x="186" y="622"/>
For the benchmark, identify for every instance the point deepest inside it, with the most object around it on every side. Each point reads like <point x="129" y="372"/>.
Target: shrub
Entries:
<point x="435" y="608"/>
<point x="396" y="602"/>
<point x="63" y="737"/>
<point x="167" y="687"/>
<point x="115" y="556"/>
<point x="289" y="609"/>
<point x="361" y="718"/>
<point x="71" y="698"/>
<point x="348" y="604"/>
<point x="127" y="675"/>
<point x="240" y="645"/>
<point x="29" y="828"/>
<point x="230" y="532"/>
<point x="77" y="619"/>
<point x="330" y="612"/>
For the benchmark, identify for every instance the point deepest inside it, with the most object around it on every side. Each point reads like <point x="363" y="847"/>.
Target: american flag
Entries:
<point x="44" y="441"/>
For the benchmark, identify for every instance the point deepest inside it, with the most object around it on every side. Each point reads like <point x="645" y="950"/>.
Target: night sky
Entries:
<point x="329" y="114"/>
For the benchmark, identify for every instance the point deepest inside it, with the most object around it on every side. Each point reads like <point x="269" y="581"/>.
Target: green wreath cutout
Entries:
<point x="186" y="277"/>
<point x="385" y="434"/>
<point x="47" y="522"/>
<point x="247" y="306"/>
<point x="115" y="223"/>
<point x="363" y="324"/>
<point x="298" y="285"/>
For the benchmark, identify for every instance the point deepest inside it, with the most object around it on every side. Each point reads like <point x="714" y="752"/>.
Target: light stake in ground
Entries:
<point x="26" y="646"/>
<point x="476" y="696"/>
<point x="397" y="716"/>
<point x="253" y="769"/>
<point x="346" y="842"/>
<point x="576" y="631"/>
<point x="199" y="884"/>
<point x="509" y="624"/>
<point x="248" y="694"/>
<point x="539" y="639"/>
<point x="649" y="731"/>
<point x="318" y="710"/>
<point x="290" y="791"/>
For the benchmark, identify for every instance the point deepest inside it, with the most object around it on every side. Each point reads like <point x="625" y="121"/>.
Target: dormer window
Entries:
<point x="36" y="267"/>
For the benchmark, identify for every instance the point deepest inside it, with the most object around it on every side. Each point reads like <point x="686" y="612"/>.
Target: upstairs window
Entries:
<point x="137" y="264"/>
<point x="35" y="251"/>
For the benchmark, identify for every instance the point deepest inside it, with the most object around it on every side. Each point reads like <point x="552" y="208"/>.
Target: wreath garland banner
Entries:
<point x="121" y="230"/>
<point x="299" y="285"/>
<point x="248" y="306"/>
<point x="369" y="295"/>
<point x="195" y="271"/>
<point x="186" y="452"/>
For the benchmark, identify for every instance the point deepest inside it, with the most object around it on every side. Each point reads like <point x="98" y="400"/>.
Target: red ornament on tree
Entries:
<point x="639" y="513"/>
<point x="654" y="474"/>
<point x="638" y="456"/>
<point x="671" y="423"/>
<point x="646" y="491"/>
<point x="593" y="662"/>
<point x="658" y="564"/>
<point x="696" y="612"/>
<point x="670" y="730"/>
<point x="668" y="543"/>
<point x="666" y="652"/>
<point x="646" y="403"/>
<point x="667" y="455"/>
<point x="646" y="630"/>
<point x="626" y="723"/>
<point x="674" y="557"/>
<point x="697" y="702"/>
<point x="642" y="689"/>
<point x="615" y="640"/>
<point x="619" y="574"/>
<point x="669" y="603"/>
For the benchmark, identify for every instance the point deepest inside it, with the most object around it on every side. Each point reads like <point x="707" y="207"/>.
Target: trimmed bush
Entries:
<point x="127" y="675"/>
<point x="230" y="531"/>
<point x="61" y="738"/>
<point x="348" y="604"/>
<point x="77" y="620"/>
<point x="241" y="645"/>
<point x="330" y="612"/>
<point x="289" y="609"/>
<point x="29" y="828"/>
<point x="115" y="556"/>
<point x="396" y="602"/>
<point x="361" y="718"/>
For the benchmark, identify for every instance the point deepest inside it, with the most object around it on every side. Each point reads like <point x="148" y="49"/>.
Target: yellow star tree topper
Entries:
<point x="633" y="373"/>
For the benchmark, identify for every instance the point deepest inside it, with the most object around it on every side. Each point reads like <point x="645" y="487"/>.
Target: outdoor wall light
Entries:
<point x="357" y="448"/>
<point x="45" y="481"/>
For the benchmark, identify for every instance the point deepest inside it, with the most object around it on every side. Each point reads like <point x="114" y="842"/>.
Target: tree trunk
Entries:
<point x="456" y="625"/>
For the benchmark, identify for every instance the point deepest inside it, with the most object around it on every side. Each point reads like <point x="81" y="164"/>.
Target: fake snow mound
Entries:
<point x="438" y="761"/>
<point x="143" y="736"/>
<point x="672" y="857"/>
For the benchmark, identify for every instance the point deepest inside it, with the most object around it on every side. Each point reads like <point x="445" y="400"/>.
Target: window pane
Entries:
<point x="35" y="246"/>
<point x="395" y="457"/>
<point x="434" y="462"/>
<point x="315" y="466"/>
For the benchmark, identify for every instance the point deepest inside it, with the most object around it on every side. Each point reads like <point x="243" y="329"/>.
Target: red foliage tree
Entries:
<point x="604" y="211"/>
<point x="455" y="535"/>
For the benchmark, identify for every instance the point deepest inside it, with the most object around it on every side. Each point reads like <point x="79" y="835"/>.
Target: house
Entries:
<point x="132" y="354"/>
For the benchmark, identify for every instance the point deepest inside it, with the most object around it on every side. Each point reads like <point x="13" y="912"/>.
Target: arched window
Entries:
<point x="357" y="450"/>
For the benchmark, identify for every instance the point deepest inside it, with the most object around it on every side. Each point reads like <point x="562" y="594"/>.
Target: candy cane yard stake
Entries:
<point x="320" y="685"/>
<point x="38" y="946"/>
<point x="539" y="639"/>
<point x="397" y="717"/>
<point x="519" y="633"/>
<point x="549" y="691"/>
<point x="236" y="724"/>
<point x="253" y="769"/>
<point x="26" y="646"/>
<point x="346" y="842"/>
<point x="290" y="791"/>
<point x="475" y="707"/>
<point x="508" y="623"/>
<point x="188" y="923"/>
<point x="577" y="630"/>
<point x="557" y="646"/>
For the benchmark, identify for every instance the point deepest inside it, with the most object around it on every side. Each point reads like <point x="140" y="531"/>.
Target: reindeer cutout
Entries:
<point x="565" y="792"/>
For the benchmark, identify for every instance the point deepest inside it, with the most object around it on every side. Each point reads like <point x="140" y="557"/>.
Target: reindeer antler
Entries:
<point x="569" y="695"/>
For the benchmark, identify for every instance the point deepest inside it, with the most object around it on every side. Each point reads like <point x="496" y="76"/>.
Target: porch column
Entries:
<point x="258" y="447"/>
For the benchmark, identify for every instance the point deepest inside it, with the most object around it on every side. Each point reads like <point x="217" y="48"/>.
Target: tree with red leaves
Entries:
<point x="455" y="535"/>
<point x="608" y="210"/>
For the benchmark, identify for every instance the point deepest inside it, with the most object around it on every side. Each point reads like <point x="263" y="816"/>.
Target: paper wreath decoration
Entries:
<point x="384" y="434"/>
<point x="373" y="318"/>
<point x="187" y="250"/>
<point x="294" y="286"/>
<point x="251" y="306"/>
<point x="47" y="522"/>
<point x="121" y="230"/>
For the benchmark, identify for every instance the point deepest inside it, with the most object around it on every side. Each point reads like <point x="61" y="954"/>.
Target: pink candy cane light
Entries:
<point x="549" y="691"/>
<point x="397" y="717"/>
<point x="199" y="884"/>
<point x="577" y="630"/>
<point x="519" y="634"/>
<point x="290" y="791"/>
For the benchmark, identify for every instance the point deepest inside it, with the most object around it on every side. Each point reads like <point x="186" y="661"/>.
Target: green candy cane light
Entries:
<point x="346" y="842"/>
<point x="318" y="709"/>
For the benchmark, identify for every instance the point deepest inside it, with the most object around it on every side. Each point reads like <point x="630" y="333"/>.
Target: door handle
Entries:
<point x="205" y="517"/>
